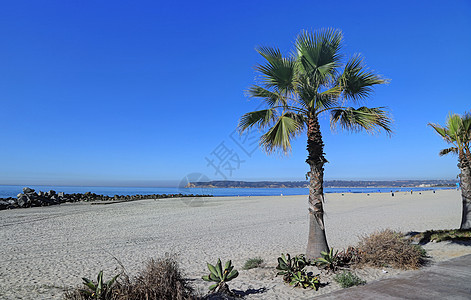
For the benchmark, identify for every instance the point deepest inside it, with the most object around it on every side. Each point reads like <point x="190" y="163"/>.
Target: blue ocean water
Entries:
<point x="12" y="190"/>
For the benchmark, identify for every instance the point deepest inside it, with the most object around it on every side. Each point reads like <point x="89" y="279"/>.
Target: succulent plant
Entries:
<point x="288" y="266"/>
<point x="329" y="260"/>
<point x="305" y="280"/>
<point x="101" y="290"/>
<point x="220" y="276"/>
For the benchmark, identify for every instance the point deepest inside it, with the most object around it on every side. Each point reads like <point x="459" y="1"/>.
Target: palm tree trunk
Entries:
<point x="317" y="241"/>
<point x="465" y="183"/>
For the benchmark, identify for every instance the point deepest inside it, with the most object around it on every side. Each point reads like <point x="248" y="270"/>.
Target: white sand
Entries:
<point x="47" y="248"/>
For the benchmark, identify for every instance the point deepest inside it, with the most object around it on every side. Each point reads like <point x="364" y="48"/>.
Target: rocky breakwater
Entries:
<point x="31" y="198"/>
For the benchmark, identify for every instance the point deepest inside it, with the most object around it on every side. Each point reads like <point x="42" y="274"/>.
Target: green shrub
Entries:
<point x="421" y="250"/>
<point x="253" y="263"/>
<point x="346" y="279"/>
<point x="389" y="248"/>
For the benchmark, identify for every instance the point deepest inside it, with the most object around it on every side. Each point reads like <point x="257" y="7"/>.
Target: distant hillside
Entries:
<point x="328" y="183"/>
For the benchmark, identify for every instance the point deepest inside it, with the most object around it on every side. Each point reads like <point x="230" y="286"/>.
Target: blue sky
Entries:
<point x="144" y="92"/>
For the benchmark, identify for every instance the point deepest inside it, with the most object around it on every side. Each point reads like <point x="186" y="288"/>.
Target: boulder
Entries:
<point x="23" y="201"/>
<point x="27" y="190"/>
<point x="4" y="205"/>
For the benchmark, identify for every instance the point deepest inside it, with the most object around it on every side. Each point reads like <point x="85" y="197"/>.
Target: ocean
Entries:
<point x="12" y="190"/>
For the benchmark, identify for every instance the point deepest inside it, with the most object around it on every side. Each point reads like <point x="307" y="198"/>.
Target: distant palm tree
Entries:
<point x="457" y="132"/>
<point x="296" y="90"/>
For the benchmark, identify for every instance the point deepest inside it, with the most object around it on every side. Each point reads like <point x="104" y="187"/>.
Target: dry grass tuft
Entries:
<point x="161" y="279"/>
<point x="389" y="248"/>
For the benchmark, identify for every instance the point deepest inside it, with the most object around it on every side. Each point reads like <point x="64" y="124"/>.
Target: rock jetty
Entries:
<point x="31" y="198"/>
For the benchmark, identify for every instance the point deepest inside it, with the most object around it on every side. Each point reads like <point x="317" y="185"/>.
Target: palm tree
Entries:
<point x="297" y="89"/>
<point x="457" y="132"/>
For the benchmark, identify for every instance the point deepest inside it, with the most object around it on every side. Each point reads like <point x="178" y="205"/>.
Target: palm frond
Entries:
<point x="357" y="81"/>
<point x="454" y="127"/>
<point x="258" y="119"/>
<point x="439" y="129"/>
<point x="363" y="118"/>
<point x="278" y="72"/>
<point x="270" y="98"/>
<point x="328" y="98"/>
<point x="318" y="54"/>
<point x="279" y="137"/>
<point x="457" y="131"/>
<point x="453" y="150"/>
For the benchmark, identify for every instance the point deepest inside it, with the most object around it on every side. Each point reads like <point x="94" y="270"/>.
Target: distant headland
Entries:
<point x="327" y="184"/>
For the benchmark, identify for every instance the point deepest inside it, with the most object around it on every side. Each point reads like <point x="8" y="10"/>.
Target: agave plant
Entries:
<point x="304" y="280"/>
<point x="288" y="266"/>
<point x="329" y="260"/>
<point x="221" y="276"/>
<point x="101" y="290"/>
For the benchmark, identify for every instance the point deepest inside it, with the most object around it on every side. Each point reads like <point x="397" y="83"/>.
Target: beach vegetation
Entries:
<point x="443" y="235"/>
<point x="299" y="88"/>
<point x="304" y="280"/>
<point x="288" y="265"/>
<point x="457" y="133"/>
<point x="347" y="279"/>
<point x="388" y="248"/>
<point x="421" y="250"/>
<point x="252" y="263"/>
<point x="292" y="269"/>
<point x="160" y="279"/>
<point x="220" y="276"/>
<point x="348" y="256"/>
<point x="101" y="290"/>
<point x="328" y="260"/>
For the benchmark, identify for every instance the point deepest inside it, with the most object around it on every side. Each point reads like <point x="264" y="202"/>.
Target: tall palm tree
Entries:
<point x="457" y="132"/>
<point x="297" y="89"/>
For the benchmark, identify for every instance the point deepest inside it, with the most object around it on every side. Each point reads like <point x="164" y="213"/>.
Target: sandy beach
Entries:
<point x="46" y="249"/>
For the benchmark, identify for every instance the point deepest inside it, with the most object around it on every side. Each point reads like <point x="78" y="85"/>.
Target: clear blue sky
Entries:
<point x="142" y="92"/>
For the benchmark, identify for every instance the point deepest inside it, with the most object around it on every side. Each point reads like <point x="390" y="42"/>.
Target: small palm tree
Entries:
<point x="457" y="132"/>
<point x="296" y="90"/>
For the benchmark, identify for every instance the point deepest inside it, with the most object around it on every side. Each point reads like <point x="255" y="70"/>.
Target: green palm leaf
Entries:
<point x="457" y="131"/>
<point x="357" y="81"/>
<point x="363" y="118"/>
<point x="259" y="119"/>
<point x="270" y="98"/>
<point x="278" y="72"/>
<point x="279" y="136"/>
<point x="319" y="55"/>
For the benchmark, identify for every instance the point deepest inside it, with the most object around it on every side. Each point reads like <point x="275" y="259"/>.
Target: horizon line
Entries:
<point x="168" y="185"/>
